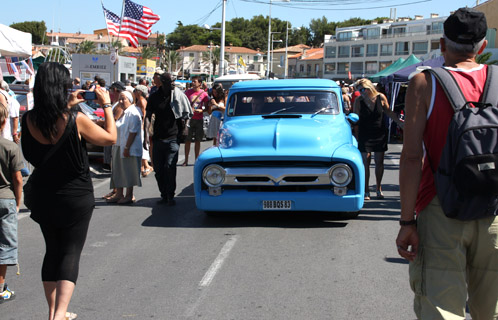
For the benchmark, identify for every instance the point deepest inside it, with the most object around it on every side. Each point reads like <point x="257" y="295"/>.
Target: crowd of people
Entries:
<point x="451" y="261"/>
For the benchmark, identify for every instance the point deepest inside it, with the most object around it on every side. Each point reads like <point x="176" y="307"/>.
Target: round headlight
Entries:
<point x="341" y="175"/>
<point x="213" y="175"/>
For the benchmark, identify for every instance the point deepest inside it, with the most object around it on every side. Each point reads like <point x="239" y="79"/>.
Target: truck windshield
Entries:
<point x="283" y="102"/>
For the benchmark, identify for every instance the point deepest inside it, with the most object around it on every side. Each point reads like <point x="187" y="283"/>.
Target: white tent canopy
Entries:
<point x="14" y="42"/>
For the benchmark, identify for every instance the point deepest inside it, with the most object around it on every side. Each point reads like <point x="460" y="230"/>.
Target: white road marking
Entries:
<point x="99" y="244"/>
<point x="218" y="262"/>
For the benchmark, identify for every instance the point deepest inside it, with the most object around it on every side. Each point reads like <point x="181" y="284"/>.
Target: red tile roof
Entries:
<point x="313" y="54"/>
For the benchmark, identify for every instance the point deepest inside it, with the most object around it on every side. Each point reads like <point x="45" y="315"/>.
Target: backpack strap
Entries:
<point x="490" y="94"/>
<point x="450" y="87"/>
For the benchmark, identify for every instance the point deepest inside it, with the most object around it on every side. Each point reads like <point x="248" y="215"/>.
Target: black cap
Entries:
<point x="118" y="85"/>
<point x="466" y="26"/>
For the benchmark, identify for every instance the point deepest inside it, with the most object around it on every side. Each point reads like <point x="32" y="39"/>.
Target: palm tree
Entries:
<point x="86" y="47"/>
<point x="215" y="57"/>
<point x="484" y="59"/>
<point x="148" y="52"/>
<point x="118" y="45"/>
<point x="170" y="60"/>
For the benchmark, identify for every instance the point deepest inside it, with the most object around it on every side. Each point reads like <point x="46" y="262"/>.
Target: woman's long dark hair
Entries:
<point x="220" y="93"/>
<point x="51" y="96"/>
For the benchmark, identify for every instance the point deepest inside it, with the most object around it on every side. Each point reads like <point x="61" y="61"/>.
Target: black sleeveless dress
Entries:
<point x="64" y="189"/>
<point x="372" y="131"/>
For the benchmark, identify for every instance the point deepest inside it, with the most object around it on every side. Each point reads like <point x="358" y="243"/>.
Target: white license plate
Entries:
<point x="276" y="204"/>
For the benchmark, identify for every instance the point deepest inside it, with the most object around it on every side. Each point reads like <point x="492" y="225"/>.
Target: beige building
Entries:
<point x="278" y="60"/>
<point x="490" y="10"/>
<point x="310" y="64"/>
<point x="195" y="59"/>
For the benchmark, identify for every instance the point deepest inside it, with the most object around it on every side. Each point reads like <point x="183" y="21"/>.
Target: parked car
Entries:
<point x="284" y="145"/>
<point x="23" y="102"/>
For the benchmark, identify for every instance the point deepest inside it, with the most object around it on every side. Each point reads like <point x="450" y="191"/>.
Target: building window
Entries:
<point x="402" y="48"/>
<point x="317" y="69"/>
<point x="330" y="52"/>
<point x="255" y="58"/>
<point x="437" y="27"/>
<point x="419" y="47"/>
<point x="373" y="33"/>
<point x="344" y="36"/>
<point x="357" y="51"/>
<point x="357" y="67"/>
<point x="301" y="68"/>
<point x="399" y="31"/>
<point x="191" y="56"/>
<point x="308" y="68"/>
<point x="386" y="49"/>
<point x="384" y="64"/>
<point x="343" y="67"/>
<point x="343" y="52"/>
<point x="372" y="50"/>
<point x="416" y="29"/>
<point x="330" y="68"/>
<point x="434" y="45"/>
<point x="371" y="67"/>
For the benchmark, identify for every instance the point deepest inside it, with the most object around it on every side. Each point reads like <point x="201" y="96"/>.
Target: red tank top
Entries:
<point x="471" y="82"/>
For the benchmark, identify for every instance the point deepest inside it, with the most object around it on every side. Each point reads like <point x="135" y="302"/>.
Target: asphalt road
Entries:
<point x="150" y="261"/>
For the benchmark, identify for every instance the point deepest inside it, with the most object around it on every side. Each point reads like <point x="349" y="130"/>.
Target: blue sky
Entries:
<point x="86" y="16"/>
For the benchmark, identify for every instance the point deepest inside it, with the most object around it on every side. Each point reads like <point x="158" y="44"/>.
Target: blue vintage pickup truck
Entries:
<point x="284" y="145"/>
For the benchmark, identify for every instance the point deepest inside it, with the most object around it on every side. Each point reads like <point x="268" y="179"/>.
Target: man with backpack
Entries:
<point x="452" y="245"/>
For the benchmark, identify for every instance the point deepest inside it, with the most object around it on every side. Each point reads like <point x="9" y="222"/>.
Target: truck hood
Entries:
<point x="254" y="138"/>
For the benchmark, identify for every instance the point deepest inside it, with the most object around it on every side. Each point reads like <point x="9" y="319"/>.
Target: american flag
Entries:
<point x="138" y="19"/>
<point x="113" y="23"/>
<point x="8" y="61"/>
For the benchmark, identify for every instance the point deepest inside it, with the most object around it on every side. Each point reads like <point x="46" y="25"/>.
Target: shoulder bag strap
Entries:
<point x="450" y="87"/>
<point x="69" y="127"/>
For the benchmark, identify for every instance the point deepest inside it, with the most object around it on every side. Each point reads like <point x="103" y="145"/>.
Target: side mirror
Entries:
<point x="353" y="117"/>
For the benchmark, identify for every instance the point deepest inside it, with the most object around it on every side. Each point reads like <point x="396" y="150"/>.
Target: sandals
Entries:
<point x="367" y="195"/>
<point x="146" y="172"/>
<point x="380" y="195"/>
<point x="114" y="199"/>
<point x="126" y="200"/>
<point x="109" y="195"/>
<point x="71" y="316"/>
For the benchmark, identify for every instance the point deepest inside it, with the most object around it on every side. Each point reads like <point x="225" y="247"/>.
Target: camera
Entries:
<point x="89" y="95"/>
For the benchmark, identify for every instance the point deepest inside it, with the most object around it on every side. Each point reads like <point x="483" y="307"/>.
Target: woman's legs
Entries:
<point x="379" y="169"/>
<point x="367" y="159"/>
<point x="61" y="263"/>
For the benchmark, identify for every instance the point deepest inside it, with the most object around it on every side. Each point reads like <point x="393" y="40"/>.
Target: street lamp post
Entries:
<point x="272" y="42"/>
<point x="268" y="58"/>
<point x="286" y="62"/>
<point x="222" y="46"/>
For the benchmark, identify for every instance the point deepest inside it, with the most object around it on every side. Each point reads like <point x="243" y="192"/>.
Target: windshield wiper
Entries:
<point x="320" y="111"/>
<point x="281" y="110"/>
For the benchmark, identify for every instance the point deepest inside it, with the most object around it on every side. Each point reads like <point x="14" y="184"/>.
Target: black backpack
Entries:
<point x="467" y="177"/>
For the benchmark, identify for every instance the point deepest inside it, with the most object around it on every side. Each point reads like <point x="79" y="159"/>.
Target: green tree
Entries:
<point x="148" y="52"/>
<point x="38" y="30"/>
<point x="319" y="28"/>
<point x="484" y="59"/>
<point x="86" y="47"/>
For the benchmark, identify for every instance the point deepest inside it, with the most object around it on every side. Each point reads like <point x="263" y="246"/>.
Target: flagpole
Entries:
<point x="121" y="19"/>
<point x="106" y="26"/>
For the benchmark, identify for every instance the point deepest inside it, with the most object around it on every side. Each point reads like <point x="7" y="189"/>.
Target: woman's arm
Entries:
<point x="93" y="133"/>
<point x="129" y="142"/>
<point x="389" y="112"/>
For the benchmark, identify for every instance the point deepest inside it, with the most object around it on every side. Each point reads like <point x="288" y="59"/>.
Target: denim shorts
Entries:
<point x="8" y="232"/>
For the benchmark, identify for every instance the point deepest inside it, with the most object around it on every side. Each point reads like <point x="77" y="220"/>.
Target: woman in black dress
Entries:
<point x="64" y="199"/>
<point x="371" y="131"/>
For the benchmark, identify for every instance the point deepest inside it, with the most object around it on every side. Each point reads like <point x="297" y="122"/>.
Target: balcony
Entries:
<point x="389" y="36"/>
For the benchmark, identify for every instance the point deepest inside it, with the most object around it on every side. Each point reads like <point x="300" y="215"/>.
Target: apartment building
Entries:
<point x="278" y="60"/>
<point x="195" y="59"/>
<point x="360" y="51"/>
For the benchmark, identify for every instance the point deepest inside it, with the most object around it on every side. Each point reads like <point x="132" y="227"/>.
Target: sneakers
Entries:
<point x="6" y="295"/>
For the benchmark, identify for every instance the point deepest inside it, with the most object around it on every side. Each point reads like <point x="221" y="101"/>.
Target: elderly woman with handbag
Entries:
<point x="127" y="152"/>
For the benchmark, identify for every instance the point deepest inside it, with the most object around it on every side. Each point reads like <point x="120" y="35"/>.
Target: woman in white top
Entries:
<point x="127" y="152"/>
<point x="216" y="110"/>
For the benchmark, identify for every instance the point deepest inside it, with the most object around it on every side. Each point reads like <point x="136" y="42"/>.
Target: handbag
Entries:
<point x="28" y="188"/>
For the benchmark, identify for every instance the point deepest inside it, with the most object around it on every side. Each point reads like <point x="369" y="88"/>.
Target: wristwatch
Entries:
<point x="407" y="223"/>
<point x="108" y="105"/>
